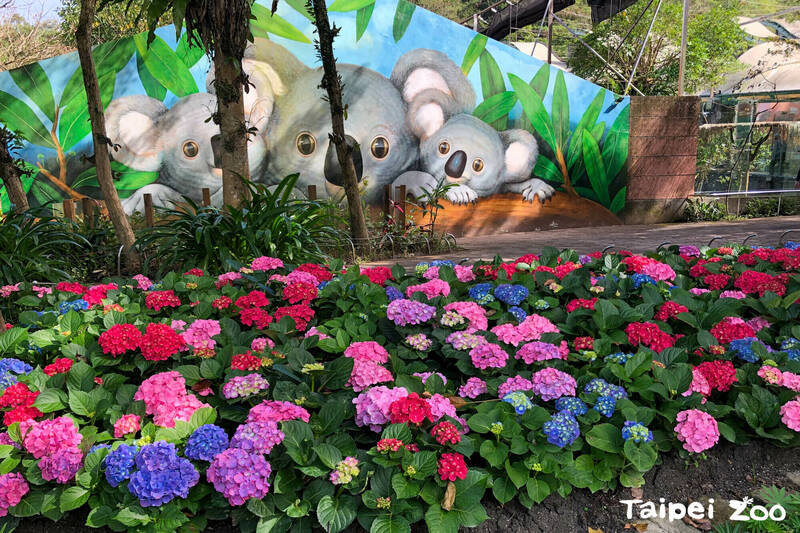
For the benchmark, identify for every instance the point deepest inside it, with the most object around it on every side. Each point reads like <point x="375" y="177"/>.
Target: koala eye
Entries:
<point x="444" y="147"/>
<point x="477" y="164"/>
<point x="380" y="147"/>
<point x="306" y="143"/>
<point x="191" y="149"/>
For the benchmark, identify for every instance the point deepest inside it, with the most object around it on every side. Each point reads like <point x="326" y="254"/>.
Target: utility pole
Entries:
<point x="550" y="32"/>
<point x="684" y="37"/>
<point x="475" y="22"/>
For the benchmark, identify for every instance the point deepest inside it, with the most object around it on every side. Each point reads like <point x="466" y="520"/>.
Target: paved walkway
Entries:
<point x="639" y="238"/>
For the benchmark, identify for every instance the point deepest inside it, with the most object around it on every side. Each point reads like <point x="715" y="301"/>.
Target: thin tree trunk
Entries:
<point x="10" y="174"/>
<point x="233" y="129"/>
<point x="122" y="226"/>
<point x="332" y="84"/>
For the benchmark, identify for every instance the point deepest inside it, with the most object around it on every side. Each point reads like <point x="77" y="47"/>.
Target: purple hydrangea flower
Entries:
<point x="409" y="312"/>
<point x="239" y="475"/>
<point x="161" y="475"/>
<point x="119" y="464"/>
<point x="257" y="437"/>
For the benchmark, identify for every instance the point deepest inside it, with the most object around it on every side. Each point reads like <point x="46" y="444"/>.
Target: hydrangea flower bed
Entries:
<point x="298" y="396"/>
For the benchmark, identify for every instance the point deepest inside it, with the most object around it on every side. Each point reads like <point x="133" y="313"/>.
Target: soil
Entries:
<point x="729" y="472"/>
<point x="504" y="213"/>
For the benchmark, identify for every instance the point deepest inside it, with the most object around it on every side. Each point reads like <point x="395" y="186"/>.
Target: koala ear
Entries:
<point x="521" y="152"/>
<point x="132" y="126"/>
<point x="422" y="70"/>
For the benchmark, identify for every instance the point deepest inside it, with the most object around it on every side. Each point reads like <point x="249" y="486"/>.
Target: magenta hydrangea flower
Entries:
<point x="13" y="488"/>
<point x="551" y="383"/>
<point x="367" y="351"/>
<point x="538" y="351"/>
<point x="165" y="397"/>
<point x="440" y="406"/>
<point x="257" y="437"/>
<point x="697" y="430"/>
<point x="265" y="263"/>
<point x="62" y="465"/>
<point x="49" y="436"/>
<point x="409" y="312"/>
<point x="425" y="375"/>
<point x="790" y="414"/>
<point x="517" y="383"/>
<point x="276" y="411"/>
<point x="372" y="406"/>
<point x="366" y="374"/>
<point x="534" y="326"/>
<point x="488" y="355"/>
<point x="473" y="388"/>
<point x="239" y="475"/>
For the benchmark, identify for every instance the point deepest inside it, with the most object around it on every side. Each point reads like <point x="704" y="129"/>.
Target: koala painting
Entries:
<point x="456" y="147"/>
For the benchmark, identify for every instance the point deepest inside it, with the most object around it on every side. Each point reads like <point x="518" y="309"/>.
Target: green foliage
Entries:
<point x="697" y="210"/>
<point x="269" y="223"/>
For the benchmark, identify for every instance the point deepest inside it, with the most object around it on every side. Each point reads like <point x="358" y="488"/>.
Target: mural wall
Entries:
<point x="523" y="144"/>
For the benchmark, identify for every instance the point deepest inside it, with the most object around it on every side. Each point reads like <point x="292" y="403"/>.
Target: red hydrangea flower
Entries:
<point x="301" y="314"/>
<point x="412" y="409"/>
<point x="719" y="374"/>
<point x="752" y="281"/>
<point x="18" y="395"/>
<point x="255" y="316"/>
<point x="731" y="328"/>
<point x="509" y="269"/>
<point x="299" y="292"/>
<point x="636" y="263"/>
<point x="223" y="302"/>
<point x="194" y="272"/>
<point x="378" y="275"/>
<point x="21" y="414"/>
<point x="389" y="445"/>
<point x="59" y="366"/>
<point x="96" y="294"/>
<point x="669" y="310"/>
<point x="412" y="447"/>
<point x="253" y="299"/>
<point x="583" y="343"/>
<point x="160" y="342"/>
<point x="527" y="258"/>
<point x="649" y="334"/>
<point x="717" y="282"/>
<point x="73" y="287"/>
<point x="562" y="270"/>
<point x="318" y="271"/>
<point x="157" y="300"/>
<point x="452" y="467"/>
<point x="581" y="303"/>
<point x="119" y="338"/>
<point x="245" y="361"/>
<point x="446" y="433"/>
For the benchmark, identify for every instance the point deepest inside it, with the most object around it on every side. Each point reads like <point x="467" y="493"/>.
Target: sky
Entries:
<point x="49" y="8"/>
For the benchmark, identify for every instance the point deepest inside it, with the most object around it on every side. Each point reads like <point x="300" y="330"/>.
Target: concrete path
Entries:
<point x="638" y="238"/>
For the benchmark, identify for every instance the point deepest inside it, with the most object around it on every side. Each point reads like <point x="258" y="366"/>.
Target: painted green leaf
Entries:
<point x="402" y="18"/>
<point x="598" y="130"/>
<point x="474" y="51"/>
<point x="575" y="150"/>
<point x="595" y="169"/>
<point x="593" y="111"/>
<point x="547" y="170"/>
<point x="615" y="147"/>
<point x="111" y="57"/>
<point x="492" y="83"/>
<point x="150" y="84"/>
<point x="541" y="80"/>
<point x="45" y="193"/>
<point x="165" y="65"/>
<point x="534" y="109"/>
<point x="190" y="55"/>
<point x="363" y="17"/>
<point x="33" y="81"/>
<point x="266" y="22"/>
<point x="587" y="193"/>
<point x="17" y="116"/>
<point x="349" y="5"/>
<point x="125" y="178"/>
<point x="496" y="107"/>
<point x="73" y="123"/>
<point x="619" y="201"/>
<point x="560" y="111"/>
<point x="300" y="7"/>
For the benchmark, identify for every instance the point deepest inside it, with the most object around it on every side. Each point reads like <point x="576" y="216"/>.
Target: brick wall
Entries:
<point x="662" y="156"/>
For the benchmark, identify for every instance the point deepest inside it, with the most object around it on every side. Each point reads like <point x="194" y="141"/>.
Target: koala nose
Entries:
<point x="333" y="171"/>
<point x="456" y="164"/>
<point x="216" y="148"/>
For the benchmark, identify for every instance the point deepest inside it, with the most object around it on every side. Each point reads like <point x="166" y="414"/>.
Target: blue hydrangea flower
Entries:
<point x="743" y="348"/>
<point x="791" y="245"/>
<point x="206" y="442"/>
<point x="518" y="313"/>
<point x="98" y="447"/>
<point x="161" y="475"/>
<point x="519" y="401"/>
<point x="637" y="432"/>
<point x="511" y="294"/>
<point x="571" y="404"/>
<point x="120" y="464"/>
<point x="604" y="388"/>
<point x="605" y="405"/>
<point x="792" y="348"/>
<point x="322" y="285"/>
<point x="393" y="293"/>
<point x="481" y="293"/>
<point x="442" y="262"/>
<point x="619" y="357"/>
<point x="641" y="279"/>
<point x="562" y="429"/>
<point x="9" y="369"/>
<point x="75" y="305"/>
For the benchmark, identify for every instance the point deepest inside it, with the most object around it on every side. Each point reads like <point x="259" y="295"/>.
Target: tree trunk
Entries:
<point x="233" y="129"/>
<point x="332" y="84"/>
<point x="122" y="226"/>
<point x="10" y="174"/>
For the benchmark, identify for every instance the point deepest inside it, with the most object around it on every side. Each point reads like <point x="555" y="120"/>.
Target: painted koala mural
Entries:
<point x="456" y="147"/>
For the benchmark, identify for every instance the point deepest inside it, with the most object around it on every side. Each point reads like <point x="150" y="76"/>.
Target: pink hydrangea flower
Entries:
<point x="472" y="312"/>
<point x="62" y="465"/>
<point x="551" y="383"/>
<point x="430" y="289"/>
<point x="697" y="430"/>
<point x="8" y="290"/>
<point x="473" y="388"/>
<point x="698" y="291"/>
<point x="199" y="334"/>
<point x="464" y="273"/>
<point x="314" y="331"/>
<point x="488" y="355"/>
<point x="791" y="381"/>
<point x="659" y="271"/>
<point x="771" y="375"/>
<point x="41" y="291"/>
<point x="431" y="273"/>
<point x="758" y="323"/>
<point x="790" y="414"/>
<point x="264" y="263"/>
<point x="366" y="374"/>
<point x="142" y="281"/>
<point x="441" y="406"/>
<point x="299" y="276"/>
<point x="736" y="295"/>
<point x="540" y="351"/>
<point x="517" y="383"/>
<point x="126" y="424"/>
<point x="276" y="411"/>
<point x="227" y="279"/>
<point x="367" y="351"/>
<point x="260" y="344"/>
<point x="699" y="385"/>
<point x="509" y="334"/>
<point x="534" y="326"/>
<point x="13" y="488"/>
<point x="48" y="436"/>
<point x="372" y="406"/>
<point x="165" y="397"/>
